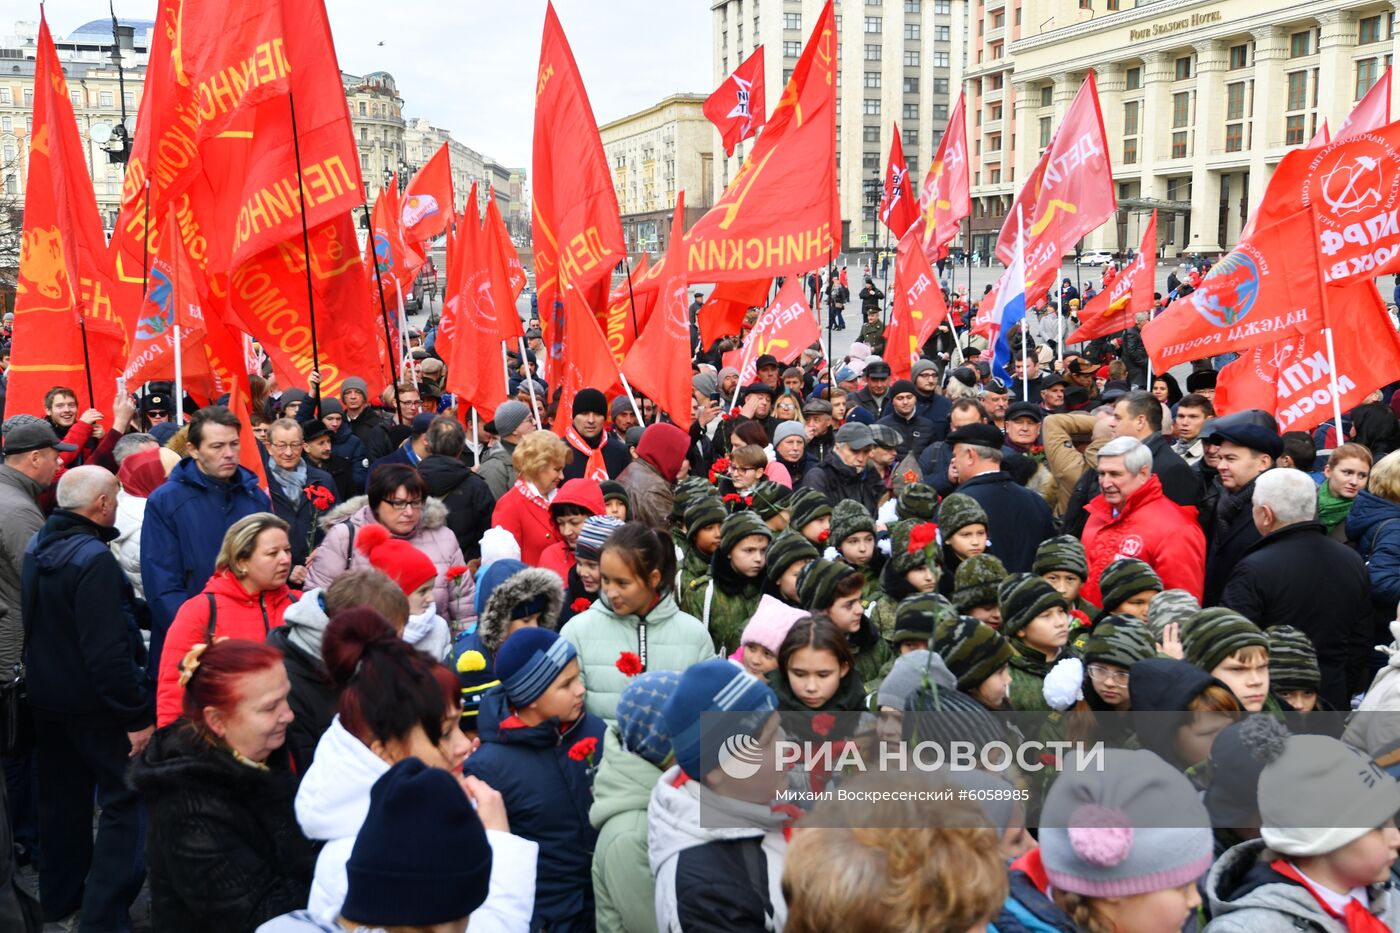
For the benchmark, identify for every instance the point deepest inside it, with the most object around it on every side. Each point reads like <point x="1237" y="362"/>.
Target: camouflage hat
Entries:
<point x="1212" y="635"/>
<point x="1125" y="578"/>
<point x="805" y="507"/>
<point x="816" y="584"/>
<point x="975" y="582"/>
<point x="1062" y="552"/>
<point x="917" y="617"/>
<point x="702" y="512"/>
<point x="1170" y="606"/>
<point x="905" y="560"/>
<point x="786" y="549"/>
<point x="1022" y="597"/>
<point x="848" y="518"/>
<point x="918" y="500"/>
<point x="1292" y="659"/>
<point x="686" y="490"/>
<point x="1120" y="640"/>
<point x="739" y="526"/>
<point x="972" y="650"/>
<point x="769" y="499"/>
<point x="957" y="512"/>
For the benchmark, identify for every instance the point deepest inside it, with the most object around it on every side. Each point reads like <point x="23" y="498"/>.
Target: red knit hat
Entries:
<point x="403" y="563"/>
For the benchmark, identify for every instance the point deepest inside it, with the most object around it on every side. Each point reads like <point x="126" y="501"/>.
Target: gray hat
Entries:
<point x="922" y="366"/>
<point x="816" y="406"/>
<point x="705" y="383"/>
<point x="35" y="435"/>
<point x="906" y="676"/>
<point x="855" y="435"/>
<point x="354" y="383"/>
<point x="509" y="416"/>
<point x="620" y="406"/>
<point x="789" y="429"/>
<point x="885" y="436"/>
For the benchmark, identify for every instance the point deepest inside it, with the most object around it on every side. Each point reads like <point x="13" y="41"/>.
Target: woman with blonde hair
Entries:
<point x="539" y="461"/>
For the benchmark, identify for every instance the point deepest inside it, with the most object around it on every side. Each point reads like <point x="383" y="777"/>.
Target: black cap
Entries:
<point x="970" y="352"/>
<point x="995" y="387"/>
<point x="877" y="370"/>
<point x="1024" y="410"/>
<point x="1113" y="390"/>
<point x="158" y="401"/>
<point x="1252" y="436"/>
<point x="978" y="433"/>
<point x="765" y="361"/>
<point x="311" y="430"/>
<point x="1201" y="379"/>
<point x="1049" y="382"/>
<point x="900" y="386"/>
<point x="757" y="388"/>
<point x="421" y="422"/>
<point x="32" y="435"/>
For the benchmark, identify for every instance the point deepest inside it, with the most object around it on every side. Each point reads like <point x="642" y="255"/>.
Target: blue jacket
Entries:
<point x="1017" y="519"/>
<point x="305" y="532"/>
<point x="186" y="518"/>
<point x="939" y="410"/>
<point x="1373" y="525"/>
<point x="547" y="795"/>
<point x="402" y="454"/>
<point x="345" y="444"/>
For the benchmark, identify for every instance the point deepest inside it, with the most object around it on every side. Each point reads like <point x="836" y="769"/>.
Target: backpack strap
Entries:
<point x="213" y="619"/>
<point x="350" y="544"/>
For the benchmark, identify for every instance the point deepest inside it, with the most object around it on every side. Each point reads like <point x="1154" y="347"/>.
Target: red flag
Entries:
<point x="475" y="374"/>
<point x="428" y="199"/>
<point x="587" y="363"/>
<point x="1265" y="289"/>
<point x="1068" y="194"/>
<point x="916" y="309"/>
<point x="1371" y="112"/>
<point x="1292" y="378"/>
<point x="784" y="329"/>
<point x="659" y="364"/>
<point x="722" y="314"/>
<point x="736" y="108"/>
<point x="1116" y="307"/>
<point x="503" y="263"/>
<point x="897" y="208"/>
<point x="618" y="319"/>
<point x="64" y="270"/>
<point x="781" y="214"/>
<point x="172" y="299"/>
<point x="945" y="197"/>
<point x="514" y="270"/>
<point x="248" y="453"/>
<point x="577" y="231"/>
<point x="396" y="260"/>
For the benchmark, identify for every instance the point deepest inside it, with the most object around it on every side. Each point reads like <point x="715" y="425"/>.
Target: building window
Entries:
<point x="872" y="52"/>
<point x="1300" y="44"/>
<point x="1130" y="151"/>
<point x="911" y="6"/>
<point x="940" y="85"/>
<point x="994" y="50"/>
<point x="1367" y="70"/>
<point x="7" y="125"/>
<point x="1368" y="29"/>
<point x="76" y="97"/>
<point x="1044" y="132"/>
<point x="871" y="160"/>
<point x="872" y="79"/>
<point x="105" y="99"/>
<point x="1234" y="137"/>
<point x="9" y="153"/>
<point x="1181" y="109"/>
<point x="5" y="96"/>
<point x="1239" y="57"/>
<point x="362" y="108"/>
<point x="1133" y="77"/>
<point x="871" y="134"/>
<point x="1113" y="6"/>
<point x="911" y="137"/>
<point x="911" y="58"/>
<point x="872" y="107"/>
<point x="1295" y="130"/>
<point x="873" y="24"/>
<point x="940" y="111"/>
<point x="1297" y="90"/>
<point x="1130" y="117"/>
<point x="1047" y="95"/>
<point x="792" y="20"/>
<point x="994" y="176"/>
<point x="998" y="19"/>
<point x="940" y="59"/>
<point x="943" y="7"/>
<point x="1183" y="68"/>
<point x="29" y="97"/>
<point x="1234" y="101"/>
<point x="787" y="76"/>
<point x="911" y="111"/>
<point x="911" y="32"/>
<point x="996" y="81"/>
<point x="1086" y="4"/>
<point x="994" y="142"/>
<point x="911" y="85"/>
<point x="942" y="33"/>
<point x="994" y="112"/>
<point x="1179" y="145"/>
<point x="794" y="49"/>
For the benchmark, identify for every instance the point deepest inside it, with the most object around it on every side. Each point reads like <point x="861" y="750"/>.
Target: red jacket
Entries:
<point x="1151" y="528"/>
<point x="531" y="524"/>
<point x="586" y="494"/>
<point x="238" y="615"/>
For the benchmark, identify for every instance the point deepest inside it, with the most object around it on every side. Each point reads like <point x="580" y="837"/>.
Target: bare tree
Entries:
<point x="11" y="221"/>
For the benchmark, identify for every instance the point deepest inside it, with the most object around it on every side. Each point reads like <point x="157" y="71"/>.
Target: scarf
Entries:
<point x="1331" y="510"/>
<point x="532" y="494"/>
<point x="1356" y="917"/>
<point x="291" y="482"/>
<point x="596" y="468"/>
<point x="420" y="625"/>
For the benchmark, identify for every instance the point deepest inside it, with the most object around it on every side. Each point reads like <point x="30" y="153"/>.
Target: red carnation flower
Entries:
<point x="732" y="497"/>
<point x="629" y="664"/>
<point x="823" y="723"/>
<point x="583" y="749"/>
<point x="721" y="465"/>
<point x="455" y="571"/>
<point x="320" y="497"/>
<point x="826" y="533"/>
<point x="922" y="535"/>
<point x="580" y="604"/>
<point x="734" y="412"/>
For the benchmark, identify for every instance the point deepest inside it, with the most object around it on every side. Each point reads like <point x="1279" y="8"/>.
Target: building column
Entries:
<point x="1266" y="120"/>
<point x="1027" y="132"/>
<point x="1155" y="120"/>
<point x="1336" y="81"/>
<point x="1209" y="137"/>
<point x="1111" y="82"/>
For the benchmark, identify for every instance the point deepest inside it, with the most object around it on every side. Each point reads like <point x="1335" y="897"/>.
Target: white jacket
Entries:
<point x="131" y="511"/>
<point x="332" y="803"/>
<point x="1374" y="728"/>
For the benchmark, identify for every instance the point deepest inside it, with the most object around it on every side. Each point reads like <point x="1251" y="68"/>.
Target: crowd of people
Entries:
<point x="423" y="673"/>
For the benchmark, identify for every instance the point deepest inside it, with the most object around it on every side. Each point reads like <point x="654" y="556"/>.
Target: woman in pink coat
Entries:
<point x="539" y="461"/>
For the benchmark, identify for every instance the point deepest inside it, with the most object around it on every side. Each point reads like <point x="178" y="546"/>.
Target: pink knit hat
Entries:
<point x="770" y="623"/>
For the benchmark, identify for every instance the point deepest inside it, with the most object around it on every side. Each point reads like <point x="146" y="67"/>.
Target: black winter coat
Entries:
<point x="372" y="428"/>
<point x="313" y="698"/>
<point x="938" y="410"/>
<point x="1229" y="536"/>
<point x="1017" y="519"/>
<point x="1300" y="577"/>
<point x="835" y="480"/>
<point x="615" y="455"/>
<point x="917" y="431"/>
<point x="301" y="514"/>
<point x="467" y="497"/>
<point x="224" y="852"/>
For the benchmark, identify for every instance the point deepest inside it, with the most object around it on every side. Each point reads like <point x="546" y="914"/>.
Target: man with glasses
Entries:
<point x="296" y="488"/>
<point x="408" y="404"/>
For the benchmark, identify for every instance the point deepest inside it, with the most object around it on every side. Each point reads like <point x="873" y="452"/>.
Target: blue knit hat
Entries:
<point x="596" y="531"/>
<point x="714" y="686"/>
<point x="529" y="660"/>
<point x="397" y="872"/>
<point x="639" y="715"/>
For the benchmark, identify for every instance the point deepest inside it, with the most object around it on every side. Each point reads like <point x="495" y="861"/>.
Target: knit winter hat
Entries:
<point x="354" y="384"/>
<point x="403" y="563"/>
<point x="702" y="512"/>
<point x="925" y="545"/>
<point x="848" y="518"/>
<point x="920" y="367"/>
<point x="590" y="402"/>
<point x="596" y="531"/>
<point x="1124" y="579"/>
<point x="786" y="549"/>
<point x="1214" y="634"/>
<point x="918" y="500"/>
<point x="475" y="678"/>
<point x="613" y="491"/>
<point x="957" y="512"/>
<point x="1062" y="552"/>
<point x="919" y="616"/>
<point x="972" y="649"/>
<point x="1120" y="640"/>
<point x="769" y="498"/>
<point x="1133" y="826"/>
<point x="900" y="386"/>
<point x="1022" y="597"/>
<point x="396" y="873"/>
<point x="806" y="506"/>
<point x="1320" y="794"/>
<point x="789" y="429"/>
<point x="529" y="660"/>
<point x="1237" y="758"/>
<point x="640" y="722"/>
<point x="1292" y="659"/>
<point x="975" y="581"/>
<point x="711" y="686"/>
<point x="906" y="676"/>
<point x="332" y="406"/>
<point x="770" y="623"/>
<point x="816" y="584"/>
<point x="739" y="526"/>
<point x="1170" y="606"/>
<point x="687" y="490"/>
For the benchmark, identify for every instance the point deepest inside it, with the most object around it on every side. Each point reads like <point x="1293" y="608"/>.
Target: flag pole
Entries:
<point x="636" y="409"/>
<point x="631" y="310"/>
<point x="830" y="321"/>
<point x="505" y="366"/>
<point x="1025" y="367"/>
<point x="87" y="360"/>
<point x="744" y="364"/>
<point x="476" y="435"/>
<point x="1332" y="376"/>
<point x="383" y="308"/>
<point x="306" y="238"/>
<point x="179" y="380"/>
<point x="529" y="381"/>
<point x="885" y="280"/>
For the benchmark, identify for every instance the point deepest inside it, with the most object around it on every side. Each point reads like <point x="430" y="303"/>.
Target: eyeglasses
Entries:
<point x="286" y="445"/>
<point x="403" y="505"/>
<point x="1105" y="676"/>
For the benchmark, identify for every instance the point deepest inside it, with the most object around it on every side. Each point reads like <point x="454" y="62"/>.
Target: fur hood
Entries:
<point x="434" y="514"/>
<point x="522" y="586"/>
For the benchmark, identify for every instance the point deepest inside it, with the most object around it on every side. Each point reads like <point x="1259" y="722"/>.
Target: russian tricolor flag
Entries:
<point x="1010" y="307"/>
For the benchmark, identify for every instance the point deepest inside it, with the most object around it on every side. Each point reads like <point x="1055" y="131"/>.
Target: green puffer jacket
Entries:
<point x="623" y="889"/>
<point x="1028" y="670"/>
<point x="693" y="566"/>
<point x="666" y="640"/>
<point x="732" y="601"/>
<point x="871" y="651"/>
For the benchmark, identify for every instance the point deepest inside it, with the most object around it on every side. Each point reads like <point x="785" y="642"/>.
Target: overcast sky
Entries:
<point x="470" y="67"/>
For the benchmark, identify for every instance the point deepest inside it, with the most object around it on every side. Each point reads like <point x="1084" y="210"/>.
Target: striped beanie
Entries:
<point x="687" y="490"/>
<point x="1170" y="606"/>
<point x="905" y="560"/>
<point x="529" y="660"/>
<point x="1062" y="552"/>
<point x="849" y="518"/>
<point x="596" y="531"/>
<point x="918" y="500"/>
<point x="1120" y="640"/>
<point x="917" y="617"/>
<point x="786" y="549"/>
<point x="816" y="584"/>
<point x="1022" y="597"/>
<point x="975" y="581"/>
<point x="739" y="526"/>
<point x="805" y="507"/>
<point x="1125" y="578"/>
<point x="957" y="512"/>
<point x="972" y="649"/>
<point x="714" y="686"/>
<point x="702" y="512"/>
<point x="475" y="678"/>
<point x="640" y="722"/>
<point x="1292" y="659"/>
<point x="1212" y="635"/>
<point x="769" y="499"/>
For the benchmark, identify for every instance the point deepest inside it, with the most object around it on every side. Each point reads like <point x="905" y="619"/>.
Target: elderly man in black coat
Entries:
<point x="1017" y="519"/>
<point x="844" y="473"/>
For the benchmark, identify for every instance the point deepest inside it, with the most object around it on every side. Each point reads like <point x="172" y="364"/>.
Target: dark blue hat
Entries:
<point x="1253" y="436"/>
<point x="529" y="660"/>
<point x="714" y="686"/>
